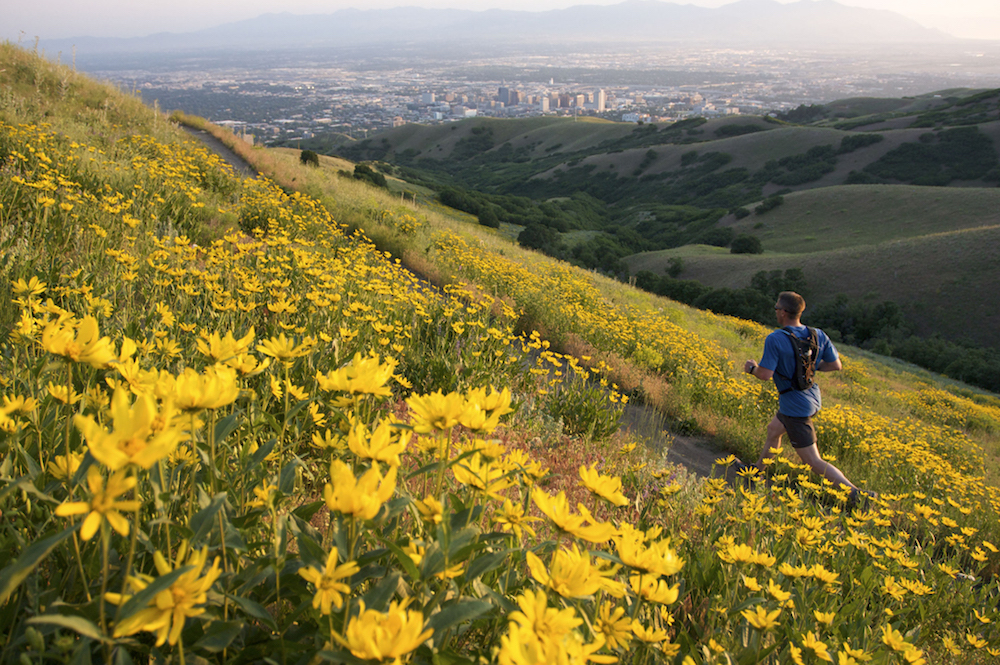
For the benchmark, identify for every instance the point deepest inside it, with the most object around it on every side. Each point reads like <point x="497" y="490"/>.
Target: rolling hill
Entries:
<point x="883" y="199"/>
<point x="932" y="251"/>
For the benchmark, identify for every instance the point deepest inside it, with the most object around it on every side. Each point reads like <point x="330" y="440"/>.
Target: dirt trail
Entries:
<point x="697" y="454"/>
<point x="242" y="166"/>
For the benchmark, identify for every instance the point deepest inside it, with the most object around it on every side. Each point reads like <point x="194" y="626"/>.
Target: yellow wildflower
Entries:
<point x="436" y="411"/>
<point x="80" y="343"/>
<point x="330" y="590"/>
<point x="142" y="434"/>
<point x="169" y="609"/>
<point x="430" y="509"/>
<point x="760" y="618"/>
<point x="63" y="470"/>
<point x="361" y="498"/>
<point x="657" y="558"/>
<point x="583" y="526"/>
<point x="613" y="625"/>
<point x="224" y="349"/>
<point x="511" y="518"/>
<point x="608" y="488"/>
<point x="192" y="391"/>
<point x="374" y="635"/>
<point x="571" y="573"/>
<point x="383" y="443"/>
<point x="490" y="479"/>
<point x="284" y="349"/>
<point x="654" y="589"/>
<point x="103" y="505"/>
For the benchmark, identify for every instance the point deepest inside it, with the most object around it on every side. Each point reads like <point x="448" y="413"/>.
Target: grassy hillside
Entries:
<point x="234" y="428"/>
<point x="928" y="249"/>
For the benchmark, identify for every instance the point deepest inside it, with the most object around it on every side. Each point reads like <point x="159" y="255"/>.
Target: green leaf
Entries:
<point x="286" y="479"/>
<point x="81" y="656"/>
<point x="460" y="541"/>
<point x="422" y="470"/>
<point x="341" y="657"/>
<point x="74" y="623"/>
<point x="122" y="657"/>
<point x="378" y="597"/>
<point x="12" y="576"/>
<point x="294" y="411"/>
<point x="306" y="512"/>
<point x="140" y="600"/>
<point x="25" y="485"/>
<point x="485" y="563"/>
<point x="404" y="560"/>
<point x="310" y="551"/>
<point x="227" y="426"/>
<point x="220" y="635"/>
<point x="460" y="611"/>
<point x="258" y="457"/>
<point x="204" y="520"/>
<point x="28" y="461"/>
<point x="449" y="657"/>
<point x="253" y="609"/>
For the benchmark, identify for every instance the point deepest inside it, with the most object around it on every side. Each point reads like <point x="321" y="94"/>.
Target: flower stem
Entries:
<point x="131" y="557"/>
<point x="105" y="546"/>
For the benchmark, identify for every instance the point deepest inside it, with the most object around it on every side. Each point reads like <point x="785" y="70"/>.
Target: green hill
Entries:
<point x="652" y="191"/>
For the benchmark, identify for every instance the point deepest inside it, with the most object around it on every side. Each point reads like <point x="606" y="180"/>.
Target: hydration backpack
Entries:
<point x="806" y="350"/>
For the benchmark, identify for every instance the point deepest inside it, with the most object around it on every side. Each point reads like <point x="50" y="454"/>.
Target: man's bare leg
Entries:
<point x="775" y="430"/>
<point x="823" y="468"/>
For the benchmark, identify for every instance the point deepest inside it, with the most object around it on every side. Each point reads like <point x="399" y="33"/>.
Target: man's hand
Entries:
<point x="751" y="367"/>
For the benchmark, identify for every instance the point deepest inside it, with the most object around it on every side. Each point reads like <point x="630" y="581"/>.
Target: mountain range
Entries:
<point x="746" y="23"/>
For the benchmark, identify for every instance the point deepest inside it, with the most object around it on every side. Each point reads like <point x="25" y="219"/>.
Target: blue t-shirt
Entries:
<point x="779" y="357"/>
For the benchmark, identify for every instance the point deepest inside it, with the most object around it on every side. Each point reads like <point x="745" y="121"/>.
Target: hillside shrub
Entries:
<point x="743" y="303"/>
<point x="746" y="244"/>
<point x="716" y="237"/>
<point x="489" y="218"/>
<point x="773" y="282"/>
<point x="734" y="129"/>
<point x="856" y="141"/>
<point x="962" y="153"/>
<point x="584" y="410"/>
<point x="689" y="158"/>
<point x="309" y="158"/>
<point x="769" y="204"/>
<point x="803" y="114"/>
<point x="540" y="237"/>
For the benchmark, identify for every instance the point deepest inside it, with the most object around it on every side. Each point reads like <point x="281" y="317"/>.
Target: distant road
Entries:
<point x="218" y="147"/>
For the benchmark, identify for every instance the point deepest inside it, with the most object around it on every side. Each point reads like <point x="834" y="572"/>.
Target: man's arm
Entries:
<point x="751" y="367"/>
<point x="829" y="366"/>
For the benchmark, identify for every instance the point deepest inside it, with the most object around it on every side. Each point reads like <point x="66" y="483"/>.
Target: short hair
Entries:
<point x="792" y="302"/>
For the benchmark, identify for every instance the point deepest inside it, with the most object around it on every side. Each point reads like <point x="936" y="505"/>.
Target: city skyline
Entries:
<point x="59" y="19"/>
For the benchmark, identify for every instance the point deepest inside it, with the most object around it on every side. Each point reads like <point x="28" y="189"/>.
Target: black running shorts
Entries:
<point x="801" y="432"/>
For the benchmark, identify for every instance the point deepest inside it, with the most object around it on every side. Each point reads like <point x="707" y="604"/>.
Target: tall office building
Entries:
<point x="601" y="101"/>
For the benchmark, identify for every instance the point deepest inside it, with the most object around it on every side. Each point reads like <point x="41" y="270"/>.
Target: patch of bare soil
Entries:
<point x="696" y="453"/>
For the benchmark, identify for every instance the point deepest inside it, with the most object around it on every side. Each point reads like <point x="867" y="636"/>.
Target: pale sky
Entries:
<point x="56" y="19"/>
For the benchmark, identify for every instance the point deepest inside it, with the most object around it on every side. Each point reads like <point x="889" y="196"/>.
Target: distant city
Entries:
<point x="292" y="98"/>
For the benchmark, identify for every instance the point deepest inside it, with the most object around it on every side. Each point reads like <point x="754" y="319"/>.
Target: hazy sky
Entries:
<point x="54" y="19"/>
